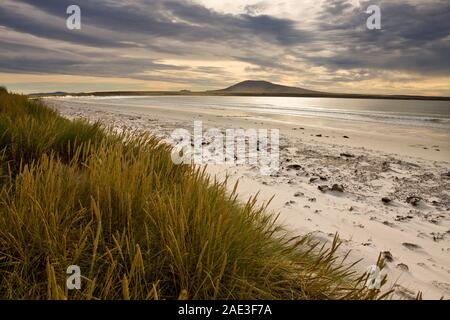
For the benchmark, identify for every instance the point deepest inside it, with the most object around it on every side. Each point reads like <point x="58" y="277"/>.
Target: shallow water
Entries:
<point x="429" y="114"/>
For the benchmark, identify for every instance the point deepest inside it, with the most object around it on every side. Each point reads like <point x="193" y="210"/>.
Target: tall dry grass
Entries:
<point x="139" y="227"/>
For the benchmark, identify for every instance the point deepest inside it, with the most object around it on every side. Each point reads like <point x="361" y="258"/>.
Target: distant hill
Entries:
<point x="263" y="87"/>
<point x="56" y="93"/>
<point x="269" y="89"/>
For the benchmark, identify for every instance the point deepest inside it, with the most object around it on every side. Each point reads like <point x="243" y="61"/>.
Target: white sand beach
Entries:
<point x="408" y="166"/>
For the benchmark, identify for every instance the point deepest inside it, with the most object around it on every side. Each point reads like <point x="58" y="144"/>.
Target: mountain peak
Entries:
<point x="263" y="87"/>
<point x="254" y="82"/>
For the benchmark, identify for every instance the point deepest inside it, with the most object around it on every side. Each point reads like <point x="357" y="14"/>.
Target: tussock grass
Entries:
<point x="139" y="227"/>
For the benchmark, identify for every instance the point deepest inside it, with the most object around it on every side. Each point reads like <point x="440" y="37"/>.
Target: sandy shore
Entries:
<point x="409" y="167"/>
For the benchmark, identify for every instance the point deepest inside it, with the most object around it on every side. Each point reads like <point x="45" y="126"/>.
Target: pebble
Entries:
<point x="337" y="187"/>
<point x="348" y="155"/>
<point x="413" y="200"/>
<point x="410" y="246"/>
<point x="386" y="200"/>
<point x="402" y="267"/>
<point x="387" y="255"/>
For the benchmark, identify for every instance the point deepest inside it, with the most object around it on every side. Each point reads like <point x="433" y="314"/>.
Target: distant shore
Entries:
<point x="243" y="94"/>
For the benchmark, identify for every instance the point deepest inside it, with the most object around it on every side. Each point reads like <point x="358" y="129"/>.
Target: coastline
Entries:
<point x="220" y="93"/>
<point x="389" y="162"/>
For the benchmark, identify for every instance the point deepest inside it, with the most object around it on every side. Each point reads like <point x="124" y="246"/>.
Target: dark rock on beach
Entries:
<point x="337" y="187"/>
<point x="402" y="267"/>
<point x="403" y="218"/>
<point x="410" y="246"/>
<point x="294" y="167"/>
<point x="385" y="166"/>
<point x="347" y="155"/>
<point x="413" y="200"/>
<point x="389" y="224"/>
<point x="387" y="255"/>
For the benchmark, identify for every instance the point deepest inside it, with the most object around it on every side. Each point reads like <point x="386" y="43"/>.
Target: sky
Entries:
<point x="211" y="44"/>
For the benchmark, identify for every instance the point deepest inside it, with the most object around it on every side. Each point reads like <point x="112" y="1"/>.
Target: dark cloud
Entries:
<point x="25" y="58"/>
<point x="28" y="23"/>
<point x="130" y="38"/>
<point x="181" y="20"/>
<point x="413" y="37"/>
<point x="335" y="8"/>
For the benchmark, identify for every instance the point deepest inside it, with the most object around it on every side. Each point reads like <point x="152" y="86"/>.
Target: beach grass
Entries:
<point x="139" y="226"/>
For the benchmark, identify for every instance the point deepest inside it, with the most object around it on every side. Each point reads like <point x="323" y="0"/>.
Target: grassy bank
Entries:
<point x="138" y="226"/>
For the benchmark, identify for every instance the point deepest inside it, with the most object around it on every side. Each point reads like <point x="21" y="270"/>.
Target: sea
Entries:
<point x="420" y="113"/>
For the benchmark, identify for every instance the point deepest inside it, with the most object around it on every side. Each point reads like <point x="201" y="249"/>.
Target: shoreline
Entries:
<point x="238" y="94"/>
<point x="388" y="164"/>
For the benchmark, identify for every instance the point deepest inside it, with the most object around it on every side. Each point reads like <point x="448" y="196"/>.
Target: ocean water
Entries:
<point x="431" y="114"/>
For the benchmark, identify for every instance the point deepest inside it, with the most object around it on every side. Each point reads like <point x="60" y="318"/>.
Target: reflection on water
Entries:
<point x="432" y="114"/>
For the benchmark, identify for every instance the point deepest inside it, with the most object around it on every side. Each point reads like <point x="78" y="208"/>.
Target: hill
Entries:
<point x="264" y="87"/>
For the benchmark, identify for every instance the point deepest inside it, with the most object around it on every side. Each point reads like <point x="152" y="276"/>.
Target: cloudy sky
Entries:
<point x="209" y="44"/>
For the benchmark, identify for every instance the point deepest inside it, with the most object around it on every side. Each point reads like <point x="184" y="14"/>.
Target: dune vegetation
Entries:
<point x="138" y="226"/>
